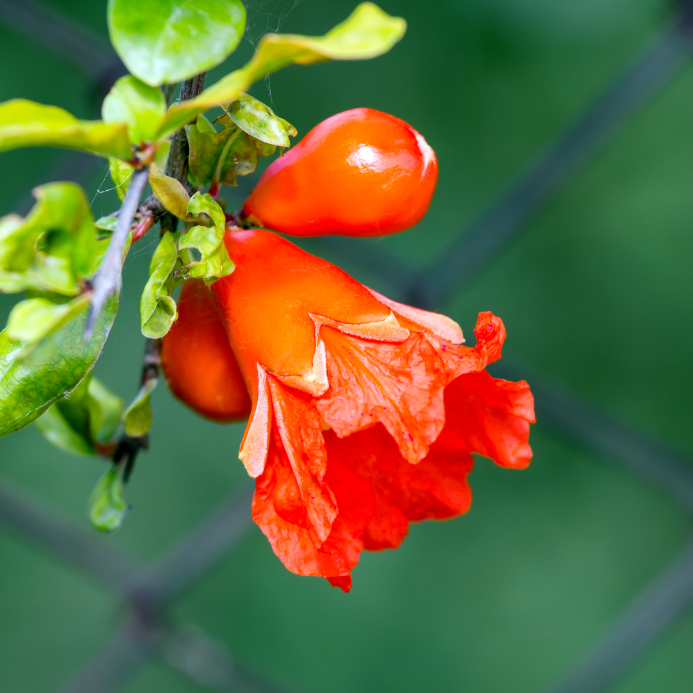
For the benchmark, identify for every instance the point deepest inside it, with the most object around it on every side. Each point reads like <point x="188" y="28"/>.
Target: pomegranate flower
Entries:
<point x="365" y="411"/>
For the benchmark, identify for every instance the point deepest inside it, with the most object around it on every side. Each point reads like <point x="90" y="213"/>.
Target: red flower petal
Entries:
<point x="298" y="425"/>
<point x="399" y="385"/>
<point x="491" y="417"/>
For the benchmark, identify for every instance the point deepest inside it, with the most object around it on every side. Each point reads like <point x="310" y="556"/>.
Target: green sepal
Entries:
<point x="29" y="124"/>
<point x="367" y="33"/>
<point x="133" y="102"/>
<point x="54" y="247"/>
<point x="137" y="418"/>
<point x="249" y="130"/>
<point x="57" y="363"/>
<point x="165" y="41"/>
<point x="157" y="307"/>
<point x="107" y="504"/>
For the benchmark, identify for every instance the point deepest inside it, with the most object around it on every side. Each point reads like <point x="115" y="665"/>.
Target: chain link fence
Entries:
<point x="147" y="592"/>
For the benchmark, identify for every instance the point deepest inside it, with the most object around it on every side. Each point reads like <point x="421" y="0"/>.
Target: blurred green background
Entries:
<point x="595" y="294"/>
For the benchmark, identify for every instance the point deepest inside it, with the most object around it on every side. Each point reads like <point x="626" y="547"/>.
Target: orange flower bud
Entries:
<point x="358" y="173"/>
<point x="197" y="360"/>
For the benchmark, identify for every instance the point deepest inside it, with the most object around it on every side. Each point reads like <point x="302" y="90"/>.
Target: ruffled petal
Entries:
<point x="491" y="417"/>
<point x="279" y="511"/>
<point x="399" y="385"/>
<point x="436" y="487"/>
<point x="298" y="426"/>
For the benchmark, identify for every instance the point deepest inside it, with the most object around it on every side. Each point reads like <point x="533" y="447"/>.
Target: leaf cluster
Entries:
<point x="59" y="256"/>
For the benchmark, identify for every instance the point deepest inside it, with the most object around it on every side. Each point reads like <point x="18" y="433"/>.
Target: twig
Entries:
<point x="177" y="162"/>
<point x="495" y="228"/>
<point x="658" y="607"/>
<point x="109" y="276"/>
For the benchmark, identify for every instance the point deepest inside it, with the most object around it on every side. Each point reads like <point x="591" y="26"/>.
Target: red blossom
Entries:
<point x="365" y="411"/>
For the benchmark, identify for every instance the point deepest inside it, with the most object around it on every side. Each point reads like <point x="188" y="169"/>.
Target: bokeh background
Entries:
<point x="596" y="294"/>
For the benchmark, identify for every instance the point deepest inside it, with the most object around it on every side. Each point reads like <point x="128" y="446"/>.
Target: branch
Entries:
<point x="108" y="279"/>
<point x="177" y="162"/>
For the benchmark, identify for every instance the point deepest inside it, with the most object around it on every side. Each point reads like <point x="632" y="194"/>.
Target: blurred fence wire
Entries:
<point x="148" y="591"/>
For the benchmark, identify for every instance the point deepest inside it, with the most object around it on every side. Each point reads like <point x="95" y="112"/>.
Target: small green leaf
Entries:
<point x="106" y="223"/>
<point x="58" y="432"/>
<point x="54" y="247"/>
<point x="89" y="414"/>
<point x="367" y="33"/>
<point x="121" y="173"/>
<point x="206" y="204"/>
<point x="171" y="193"/>
<point x="107" y="505"/>
<point x="28" y="124"/>
<point x="214" y="262"/>
<point x="157" y="307"/>
<point x="105" y="411"/>
<point x="259" y="121"/>
<point x="32" y="320"/>
<point x="170" y="40"/>
<point x="220" y="157"/>
<point x="54" y="367"/>
<point x="137" y="418"/>
<point x="133" y="102"/>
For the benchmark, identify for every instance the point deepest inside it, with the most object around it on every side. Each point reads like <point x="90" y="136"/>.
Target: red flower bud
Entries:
<point x="197" y="360"/>
<point x="358" y="173"/>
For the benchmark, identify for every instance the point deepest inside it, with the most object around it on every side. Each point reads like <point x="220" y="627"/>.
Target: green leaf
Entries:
<point x="170" y="192"/>
<point x="206" y="204"/>
<point x="367" y="33"/>
<point x="121" y="173"/>
<point x="214" y="262"/>
<point x="90" y="414"/>
<point x="170" y="40"/>
<point x="29" y="384"/>
<point x="29" y="124"/>
<point x="137" y="418"/>
<point x="58" y="432"/>
<point x="259" y="121"/>
<point x="107" y="505"/>
<point x="32" y="320"/>
<point x="106" y="223"/>
<point x="157" y="307"/>
<point x="250" y="130"/>
<point x="105" y="411"/>
<point x="54" y="247"/>
<point x="133" y="102"/>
